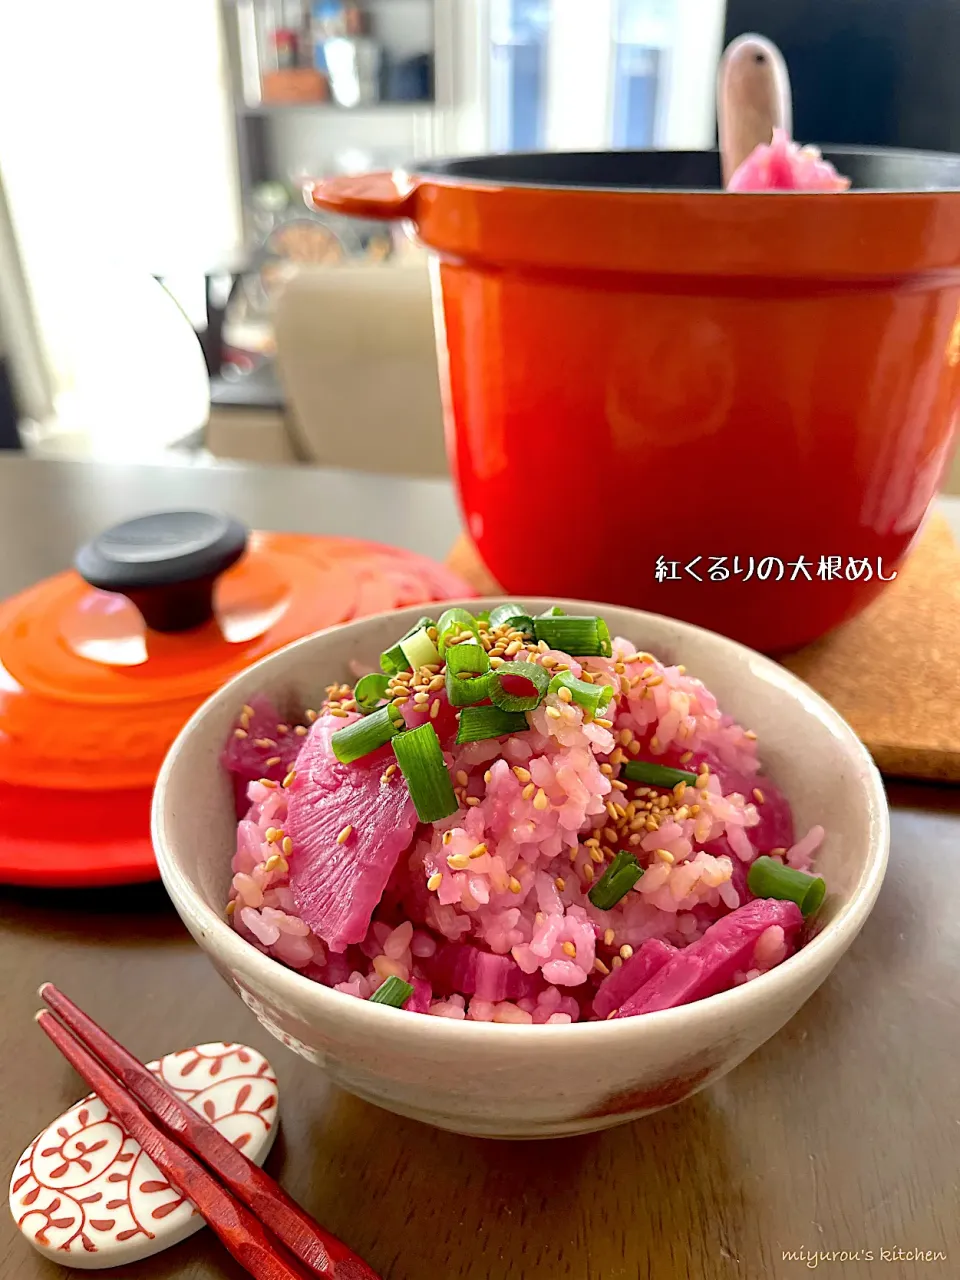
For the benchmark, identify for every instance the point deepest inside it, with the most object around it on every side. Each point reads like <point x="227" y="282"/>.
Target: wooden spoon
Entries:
<point x="753" y="99"/>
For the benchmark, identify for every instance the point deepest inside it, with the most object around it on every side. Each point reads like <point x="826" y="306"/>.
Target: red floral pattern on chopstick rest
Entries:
<point x="85" y="1195"/>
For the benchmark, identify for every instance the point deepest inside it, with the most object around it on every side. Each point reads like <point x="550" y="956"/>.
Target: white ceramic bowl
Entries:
<point x="521" y="1081"/>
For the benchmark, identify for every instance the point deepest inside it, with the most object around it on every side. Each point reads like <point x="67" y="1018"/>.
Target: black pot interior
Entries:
<point x="876" y="169"/>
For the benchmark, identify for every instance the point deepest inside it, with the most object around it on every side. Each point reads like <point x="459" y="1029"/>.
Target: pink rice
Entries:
<point x="525" y="896"/>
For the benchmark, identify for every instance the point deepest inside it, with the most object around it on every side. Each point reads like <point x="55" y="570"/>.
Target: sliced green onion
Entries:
<point x="479" y="723"/>
<point x="657" y="775"/>
<point x="394" y="660"/>
<point x="370" y="691"/>
<point x="580" y="637"/>
<point x="394" y="992"/>
<point x="453" y="623"/>
<point x="483" y="615"/>
<point x="768" y="878"/>
<point x="594" y="697"/>
<point x="419" y="650"/>
<point x="553" y="612"/>
<point x="606" y="644"/>
<point x="421" y="762"/>
<point x="361" y="737"/>
<point x="466" y="678"/>
<point x="514" y="614"/>
<point x="617" y="881"/>
<point x="532" y="672"/>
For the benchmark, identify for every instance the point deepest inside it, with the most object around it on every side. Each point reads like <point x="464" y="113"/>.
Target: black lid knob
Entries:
<point x="165" y="563"/>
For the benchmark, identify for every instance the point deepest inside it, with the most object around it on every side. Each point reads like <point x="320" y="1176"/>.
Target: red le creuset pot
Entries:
<point x="732" y="408"/>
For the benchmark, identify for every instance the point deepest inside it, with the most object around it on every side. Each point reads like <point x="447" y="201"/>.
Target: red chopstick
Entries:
<point x="319" y="1251"/>
<point x="236" y="1226"/>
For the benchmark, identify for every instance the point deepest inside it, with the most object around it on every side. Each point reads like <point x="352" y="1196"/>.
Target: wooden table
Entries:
<point x="842" y="1133"/>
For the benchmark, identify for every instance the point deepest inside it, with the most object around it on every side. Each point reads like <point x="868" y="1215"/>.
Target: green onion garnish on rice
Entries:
<point x="657" y="775"/>
<point x="394" y="992"/>
<point x="420" y="758"/>
<point x="419" y="650"/>
<point x="480" y="723"/>
<point x="553" y="612"/>
<point x="617" y="881"/>
<point x="606" y="644"/>
<point x="515" y="615"/>
<point x="370" y="691"/>
<point x="768" y="878"/>
<point x="508" y="698"/>
<point x="453" y="623"/>
<point x="580" y="637"/>
<point x="361" y="737"/>
<point x="466" y="678"/>
<point x="593" y="697"/>
<point x="394" y="659"/>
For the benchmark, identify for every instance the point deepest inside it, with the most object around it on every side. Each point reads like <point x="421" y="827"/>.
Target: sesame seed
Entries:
<point x="608" y="937"/>
<point x="604" y="724"/>
<point x="264" y="742"/>
<point x="618" y="785"/>
<point x="686" y="757"/>
<point x="240" y="733"/>
<point x="399" y="701"/>
<point x="272" y="862"/>
<point x="553" y="713"/>
<point x="560" y="883"/>
<point x="390" y="770"/>
<point x="634" y="840"/>
<point x="458" y="861"/>
<point x="515" y="885"/>
<point x="626" y="737"/>
<point x="273" y="834"/>
<point x="626" y="951"/>
<point x="435" y="881"/>
<point x="497" y="661"/>
<point x="592" y="841"/>
<point x="607" y="770"/>
<point x="588" y="872"/>
<point x="272" y="760"/>
<point x="777" y="853"/>
<point x="420" y="698"/>
<point x="478" y="851"/>
<point x="596" y="855"/>
<point x="616" y="757"/>
<point x="540" y="800"/>
<point x="635" y="657"/>
<point x="569" y="949"/>
<point x="702" y="781"/>
<point x="610" y="834"/>
<point x="611" y="809"/>
<point x="615" y="963"/>
<point x="268" y="783"/>
<point x="309" y="716"/>
<point x="335" y="711"/>
<point x="447" y="837"/>
<point x="619" y="668"/>
<point x="231" y="907"/>
<point x="653" y="681"/>
<point x="345" y="834"/>
<point x="528" y="791"/>
<point x="751" y="735"/>
<point x="634" y="748"/>
<point x="564" y="694"/>
<point x="601" y="968"/>
<point x="435" y="709"/>
<point x="548" y="661"/>
<point x="301" y="731"/>
<point x="287" y="846"/>
<point x="247" y="709"/>
<point x="488" y="777"/>
<point x="472" y="801"/>
<point x="665" y="856"/>
<point x="758" y="795"/>
<point x="462" y="777"/>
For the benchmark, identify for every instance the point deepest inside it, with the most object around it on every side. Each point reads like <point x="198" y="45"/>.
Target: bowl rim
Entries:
<point x="723" y="1007"/>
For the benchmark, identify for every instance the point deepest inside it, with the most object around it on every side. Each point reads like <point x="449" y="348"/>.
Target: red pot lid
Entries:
<point x="101" y="666"/>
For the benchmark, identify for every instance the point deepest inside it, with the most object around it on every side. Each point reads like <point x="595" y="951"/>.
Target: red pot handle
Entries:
<point x="381" y="195"/>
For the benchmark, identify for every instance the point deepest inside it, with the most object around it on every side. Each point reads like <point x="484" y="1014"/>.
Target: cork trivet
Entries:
<point x="891" y="672"/>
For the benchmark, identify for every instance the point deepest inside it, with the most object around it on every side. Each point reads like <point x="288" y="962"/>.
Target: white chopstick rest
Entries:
<point x="84" y="1193"/>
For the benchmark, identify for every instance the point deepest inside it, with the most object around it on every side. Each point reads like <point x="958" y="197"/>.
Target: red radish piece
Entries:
<point x="464" y="968"/>
<point x="620" y="984"/>
<point x="710" y="964"/>
<point x="337" y="879"/>
<point x="255" y="741"/>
